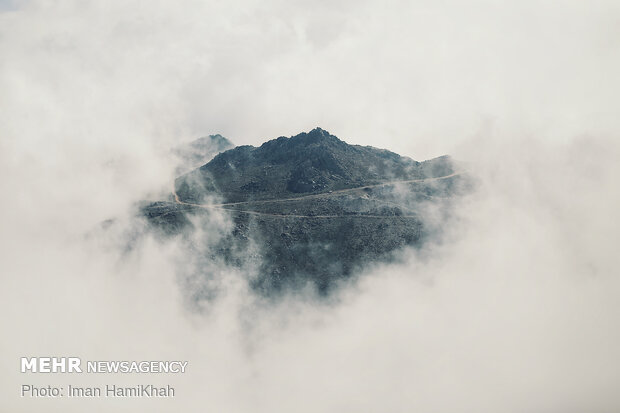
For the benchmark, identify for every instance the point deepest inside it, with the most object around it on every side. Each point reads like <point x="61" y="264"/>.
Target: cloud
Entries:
<point x="516" y="310"/>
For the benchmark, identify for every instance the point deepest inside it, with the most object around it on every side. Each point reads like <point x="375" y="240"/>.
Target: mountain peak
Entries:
<point x="316" y="135"/>
<point x="320" y="132"/>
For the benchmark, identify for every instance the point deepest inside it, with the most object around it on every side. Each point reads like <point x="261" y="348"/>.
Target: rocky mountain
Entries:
<point x="306" y="163"/>
<point x="310" y="210"/>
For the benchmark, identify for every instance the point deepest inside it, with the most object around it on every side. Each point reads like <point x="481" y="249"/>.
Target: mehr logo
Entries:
<point x="50" y="365"/>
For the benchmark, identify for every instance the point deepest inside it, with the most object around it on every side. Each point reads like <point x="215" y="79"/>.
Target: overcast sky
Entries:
<point x="416" y="76"/>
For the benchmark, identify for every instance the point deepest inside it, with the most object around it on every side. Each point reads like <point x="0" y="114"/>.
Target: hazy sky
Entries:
<point x="416" y="76"/>
<point x="516" y="311"/>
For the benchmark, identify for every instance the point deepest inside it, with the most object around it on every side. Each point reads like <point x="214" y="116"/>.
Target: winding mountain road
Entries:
<point x="223" y="206"/>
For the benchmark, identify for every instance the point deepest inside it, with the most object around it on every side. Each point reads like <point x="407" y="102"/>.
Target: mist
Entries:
<point x="515" y="308"/>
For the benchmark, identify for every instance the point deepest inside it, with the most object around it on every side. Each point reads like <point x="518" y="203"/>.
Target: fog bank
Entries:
<point x="515" y="309"/>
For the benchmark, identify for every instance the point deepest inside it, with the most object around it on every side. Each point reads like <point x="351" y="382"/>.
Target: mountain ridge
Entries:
<point x="305" y="163"/>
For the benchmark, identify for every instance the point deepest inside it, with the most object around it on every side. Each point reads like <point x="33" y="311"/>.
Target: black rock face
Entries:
<point x="312" y="208"/>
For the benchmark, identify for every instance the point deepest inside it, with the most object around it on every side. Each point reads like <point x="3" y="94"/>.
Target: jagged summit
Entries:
<point x="305" y="163"/>
<point x="316" y="135"/>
